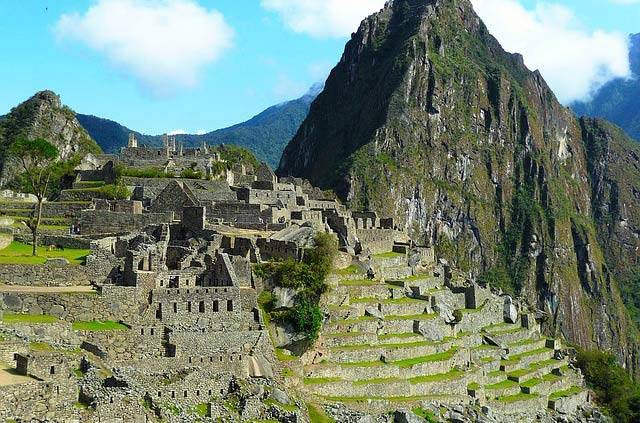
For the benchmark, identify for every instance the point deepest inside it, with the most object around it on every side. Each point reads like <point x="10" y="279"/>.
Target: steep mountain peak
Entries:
<point x="427" y="119"/>
<point x="48" y="97"/>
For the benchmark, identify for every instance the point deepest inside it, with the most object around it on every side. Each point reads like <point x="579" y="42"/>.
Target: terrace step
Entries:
<point x="537" y="369"/>
<point x="566" y="401"/>
<point x="502" y="388"/>
<point x="523" y="360"/>
<point x="547" y="384"/>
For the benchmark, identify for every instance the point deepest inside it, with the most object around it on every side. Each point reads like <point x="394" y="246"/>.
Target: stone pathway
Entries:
<point x="8" y="377"/>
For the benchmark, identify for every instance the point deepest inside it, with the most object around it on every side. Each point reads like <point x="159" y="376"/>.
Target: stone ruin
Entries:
<point x="171" y="270"/>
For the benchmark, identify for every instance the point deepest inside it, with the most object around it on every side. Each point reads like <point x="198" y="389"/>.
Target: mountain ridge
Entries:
<point x="427" y="119"/>
<point x="266" y="134"/>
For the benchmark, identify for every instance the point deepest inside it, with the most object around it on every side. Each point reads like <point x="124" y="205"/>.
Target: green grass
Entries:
<point x="40" y="347"/>
<point x="505" y="384"/>
<point x="510" y="399"/>
<point x="410" y="362"/>
<point x="287" y="372"/>
<point x="376" y="381"/>
<point x="320" y="380"/>
<point x="351" y="270"/>
<point x="389" y="255"/>
<point x="201" y="409"/>
<point x="362" y="364"/>
<point x="343" y="335"/>
<point x="359" y="282"/>
<point x="420" y="317"/>
<point x="516" y="358"/>
<point x="356" y="320"/>
<point x="473" y="386"/>
<point x="450" y="375"/>
<point x="566" y="393"/>
<point x="538" y="380"/>
<point x="19" y="253"/>
<point x="286" y="407"/>
<point x="390" y="346"/>
<point x="532" y="368"/>
<point x="12" y="318"/>
<point x="283" y="356"/>
<point x="428" y="415"/>
<point x="99" y="326"/>
<point x="398" y="336"/>
<point x="317" y="414"/>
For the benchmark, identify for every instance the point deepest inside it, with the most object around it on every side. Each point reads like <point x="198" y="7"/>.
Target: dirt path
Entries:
<point x="47" y="289"/>
<point x="9" y="377"/>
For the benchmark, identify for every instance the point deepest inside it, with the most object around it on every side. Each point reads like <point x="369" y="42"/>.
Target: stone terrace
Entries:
<point x="413" y="338"/>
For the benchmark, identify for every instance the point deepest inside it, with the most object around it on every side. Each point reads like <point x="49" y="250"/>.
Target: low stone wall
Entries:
<point x="105" y="222"/>
<point x="64" y="241"/>
<point x="44" y="275"/>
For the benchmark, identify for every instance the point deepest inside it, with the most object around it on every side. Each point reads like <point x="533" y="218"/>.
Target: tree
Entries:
<point x="37" y="158"/>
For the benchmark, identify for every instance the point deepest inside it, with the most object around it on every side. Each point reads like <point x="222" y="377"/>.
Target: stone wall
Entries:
<point x="63" y="241"/>
<point x="38" y="401"/>
<point x="44" y="275"/>
<point x="94" y="222"/>
<point x="377" y="240"/>
<point x="236" y="212"/>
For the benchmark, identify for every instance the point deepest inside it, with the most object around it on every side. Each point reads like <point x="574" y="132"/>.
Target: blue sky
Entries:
<point x="273" y="50"/>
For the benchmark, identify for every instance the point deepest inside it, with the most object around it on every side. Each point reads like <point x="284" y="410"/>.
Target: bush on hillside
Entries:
<point x="308" y="278"/>
<point x="614" y="388"/>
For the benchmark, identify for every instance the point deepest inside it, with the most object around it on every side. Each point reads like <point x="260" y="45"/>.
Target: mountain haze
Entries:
<point x="266" y="134"/>
<point x="427" y="119"/>
<point x="619" y="99"/>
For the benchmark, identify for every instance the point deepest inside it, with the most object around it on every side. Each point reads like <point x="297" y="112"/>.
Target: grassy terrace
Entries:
<point x="368" y="399"/>
<point x="564" y="394"/>
<point x="12" y="318"/>
<point x="360" y="282"/>
<point x="351" y="270"/>
<point x="420" y="317"/>
<point x="516" y="358"/>
<point x="362" y="347"/>
<point x="320" y="380"/>
<point x="538" y="380"/>
<point x="505" y="384"/>
<point x="389" y="255"/>
<point x="19" y="253"/>
<point x="99" y="326"/>
<point x="406" y="335"/>
<point x="510" y="399"/>
<point x="532" y="368"/>
<point x="371" y="300"/>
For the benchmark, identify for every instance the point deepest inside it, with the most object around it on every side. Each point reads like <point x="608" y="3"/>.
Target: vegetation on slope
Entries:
<point x="615" y="390"/>
<point x="308" y="279"/>
<point x="266" y="134"/>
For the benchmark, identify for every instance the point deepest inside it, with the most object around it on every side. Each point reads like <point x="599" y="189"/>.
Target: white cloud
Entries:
<point x="323" y="18"/>
<point x="177" y="132"/>
<point x="573" y="60"/>
<point x="165" y="44"/>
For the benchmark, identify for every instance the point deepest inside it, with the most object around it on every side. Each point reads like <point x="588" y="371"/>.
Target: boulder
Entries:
<point x="406" y="416"/>
<point x="13" y="302"/>
<point x="286" y="335"/>
<point x="373" y="312"/>
<point x="284" y="297"/>
<point x="430" y="330"/>
<point x="260" y="367"/>
<point x="510" y="312"/>
<point x="280" y="396"/>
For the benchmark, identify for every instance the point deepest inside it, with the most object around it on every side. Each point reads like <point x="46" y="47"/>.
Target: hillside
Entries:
<point x="44" y="116"/>
<point x="618" y="100"/>
<point x="427" y="119"/>
<point x="266" y="134"/>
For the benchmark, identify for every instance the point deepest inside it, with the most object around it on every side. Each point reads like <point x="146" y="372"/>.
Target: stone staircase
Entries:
<point x="392" y="340"/>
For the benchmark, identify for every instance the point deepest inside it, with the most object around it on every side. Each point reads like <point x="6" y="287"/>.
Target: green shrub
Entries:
<point x="308" y="278"/>
<point x="498" y="277"/>
<point x="191" y="174"/>
<point x="115" y="192"/>
<point x="614" y="388"/>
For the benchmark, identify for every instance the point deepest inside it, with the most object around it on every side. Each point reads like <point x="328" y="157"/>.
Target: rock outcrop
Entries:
<point x="427" y="119"/>
<point x="44" y="116"/>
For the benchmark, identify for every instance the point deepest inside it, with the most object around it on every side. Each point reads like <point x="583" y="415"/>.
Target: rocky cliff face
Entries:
<point x="43" y="116"/>
<point x="426" y="118"/>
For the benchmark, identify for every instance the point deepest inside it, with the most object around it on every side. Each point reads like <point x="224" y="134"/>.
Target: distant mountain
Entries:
<point x="619" y="99"/>
<point x="43" y="116"/>
<point x="266" y="134"/>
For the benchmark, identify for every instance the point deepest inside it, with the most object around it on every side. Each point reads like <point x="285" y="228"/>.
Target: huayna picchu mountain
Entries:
<point x="427" y="119"/>
<point x="44" y="116"/>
